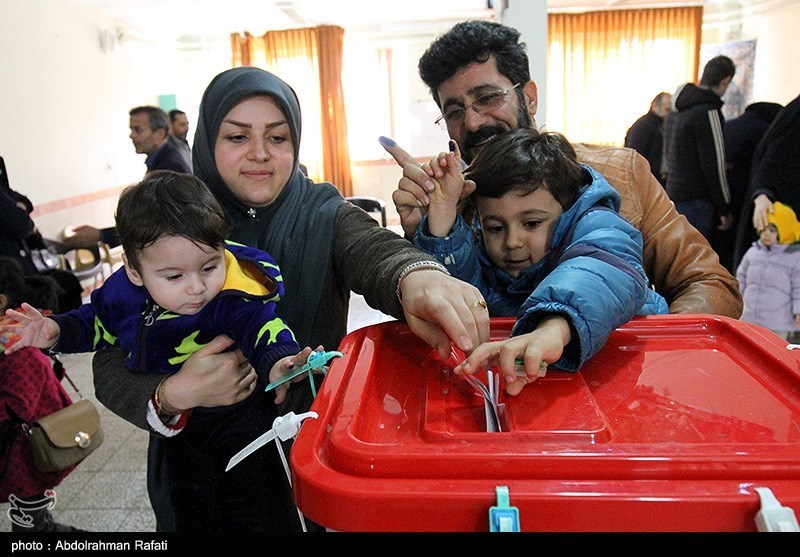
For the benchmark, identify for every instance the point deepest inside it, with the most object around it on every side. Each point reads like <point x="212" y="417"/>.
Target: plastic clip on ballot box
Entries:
<point x="676" y="425"/>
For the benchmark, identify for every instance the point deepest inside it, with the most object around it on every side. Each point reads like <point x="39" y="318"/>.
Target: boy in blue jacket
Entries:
<point x="546" y="244"/>
<point x="181" y="286"/>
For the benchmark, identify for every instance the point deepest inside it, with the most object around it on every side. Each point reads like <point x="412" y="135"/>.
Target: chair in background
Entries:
<point x="83" y="262"/>
<point x="110" y="248"/>
<point x="104" y="241"/>
<point x="370" y="205"/>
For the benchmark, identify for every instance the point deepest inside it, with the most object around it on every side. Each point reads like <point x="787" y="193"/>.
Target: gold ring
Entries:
<point x="479" y="303"/>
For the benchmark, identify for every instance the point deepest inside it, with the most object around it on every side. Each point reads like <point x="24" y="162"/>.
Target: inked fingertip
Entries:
<point x="386" y="141"/>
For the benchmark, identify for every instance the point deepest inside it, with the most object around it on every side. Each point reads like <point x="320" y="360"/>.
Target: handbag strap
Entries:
<point x="63" y="371"/>
<point x="74" y="386"/>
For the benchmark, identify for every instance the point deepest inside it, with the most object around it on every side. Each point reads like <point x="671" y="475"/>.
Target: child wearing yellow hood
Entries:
<point x="769" y="275"/>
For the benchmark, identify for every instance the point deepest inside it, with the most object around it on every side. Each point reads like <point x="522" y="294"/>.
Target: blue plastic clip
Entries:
<point x="316" y="360"/>
<point x="503" y="517"/>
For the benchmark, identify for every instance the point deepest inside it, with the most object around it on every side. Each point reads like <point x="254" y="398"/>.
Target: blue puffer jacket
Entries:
<point x="592" y="274"/>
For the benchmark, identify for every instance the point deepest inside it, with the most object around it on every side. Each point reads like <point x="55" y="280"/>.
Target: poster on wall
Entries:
<point x="740" y="91"/>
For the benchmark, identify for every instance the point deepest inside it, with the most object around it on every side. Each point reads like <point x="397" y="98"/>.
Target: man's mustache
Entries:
<point x="475" y="138"/>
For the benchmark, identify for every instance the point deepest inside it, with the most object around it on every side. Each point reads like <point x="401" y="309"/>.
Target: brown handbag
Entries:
<point x="66" y="436"/>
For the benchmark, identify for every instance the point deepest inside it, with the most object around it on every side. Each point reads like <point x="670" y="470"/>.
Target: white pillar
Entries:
<point x="529" y="17"/>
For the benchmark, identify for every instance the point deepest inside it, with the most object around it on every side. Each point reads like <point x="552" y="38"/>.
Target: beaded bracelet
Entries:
<point x="418" y="266"/>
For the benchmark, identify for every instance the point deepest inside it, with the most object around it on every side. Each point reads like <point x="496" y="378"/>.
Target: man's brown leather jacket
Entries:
<point x="678" y="260"/>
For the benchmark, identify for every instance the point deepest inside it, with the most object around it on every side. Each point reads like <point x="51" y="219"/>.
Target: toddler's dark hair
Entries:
<point x="168" y="203"/>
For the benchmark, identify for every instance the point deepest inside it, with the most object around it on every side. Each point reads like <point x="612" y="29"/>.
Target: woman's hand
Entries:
<point x="441" y="309"/>
<point x="763" y="207"/>
<point x="211" y="377"/>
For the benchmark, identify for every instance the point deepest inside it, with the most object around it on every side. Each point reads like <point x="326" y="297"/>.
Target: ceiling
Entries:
<point x="180" y="18"/>
<point x="191" y="19"/>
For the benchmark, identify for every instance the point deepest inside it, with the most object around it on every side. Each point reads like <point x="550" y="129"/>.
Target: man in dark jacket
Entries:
<point x="150" y="133"/>
<point x="646" y="135"/>
<point x="178" y="130"/>
<point x="695" y="150"/>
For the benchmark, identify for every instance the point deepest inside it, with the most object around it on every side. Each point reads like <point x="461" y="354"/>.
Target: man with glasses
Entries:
<point x="479" y="76"/>
<point x="454" y="114"/>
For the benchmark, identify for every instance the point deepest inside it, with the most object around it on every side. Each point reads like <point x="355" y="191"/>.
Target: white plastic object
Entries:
<point x="283" y="428"/>
<point x="774" y="517"/>
<point x="288" y="425"/>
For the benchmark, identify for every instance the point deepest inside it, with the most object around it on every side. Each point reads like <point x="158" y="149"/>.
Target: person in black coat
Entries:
<point x="646" y="134"/>
<point x="18" y="235"/>
<point x="741" y="135"/>
<point x="694" y="148"/>
<point x="775" y="176"/>
<point x="15" y="222"/>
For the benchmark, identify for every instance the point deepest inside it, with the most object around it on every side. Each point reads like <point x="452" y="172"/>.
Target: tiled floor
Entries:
<point x="107" y="492"/>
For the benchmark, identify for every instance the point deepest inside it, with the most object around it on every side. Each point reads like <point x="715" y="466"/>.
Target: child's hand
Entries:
<point x="451" y="188"/>
<point x="446" y="171"/>
<point x="545" y="344"/>
<point x="33" y="328"/>
<point x="287" y="365"/>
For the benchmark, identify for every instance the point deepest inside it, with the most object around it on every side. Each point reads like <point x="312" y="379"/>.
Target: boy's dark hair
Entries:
<point x="717" y="69"/>
<point x="168" y="203"/>
<point x="40" y="291"/>
<point x="475" y="41"/>
<point x="525" y="160"/>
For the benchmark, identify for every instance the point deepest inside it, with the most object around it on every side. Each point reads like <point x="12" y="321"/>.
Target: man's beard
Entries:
<point x="475" y="139"/>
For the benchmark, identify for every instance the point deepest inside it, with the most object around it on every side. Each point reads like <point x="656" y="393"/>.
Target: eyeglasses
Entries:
<point x="487" y="101"/>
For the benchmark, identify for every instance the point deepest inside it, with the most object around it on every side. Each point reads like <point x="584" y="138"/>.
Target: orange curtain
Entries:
<point x="590" y="56"/>
<point x="310" y="60"/>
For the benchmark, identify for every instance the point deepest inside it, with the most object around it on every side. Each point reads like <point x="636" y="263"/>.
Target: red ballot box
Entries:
<point x="673" y="426"/>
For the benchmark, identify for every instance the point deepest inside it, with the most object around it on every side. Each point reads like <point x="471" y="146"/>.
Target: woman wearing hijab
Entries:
<point x="246" y="150"/>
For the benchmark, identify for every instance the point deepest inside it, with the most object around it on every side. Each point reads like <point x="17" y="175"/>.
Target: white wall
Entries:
<point x="60" y="98"/>
<point x="529" y="17"/>
<point x="777" y="65"/>
<point x="64" y="102"/>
